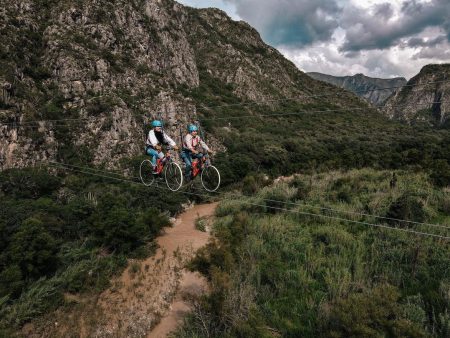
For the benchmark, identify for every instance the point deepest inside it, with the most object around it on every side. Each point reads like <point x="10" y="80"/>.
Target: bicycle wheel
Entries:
<point x="146" y="173"/>
<point x="173" y="176"/>
<point x="210" y="178"/>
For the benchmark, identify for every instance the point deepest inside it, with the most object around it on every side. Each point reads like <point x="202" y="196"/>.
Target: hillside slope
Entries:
<point x="364" y="86"/>
<point x="425" y="99"/>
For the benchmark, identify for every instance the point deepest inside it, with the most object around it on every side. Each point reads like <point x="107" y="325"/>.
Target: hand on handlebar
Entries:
<point x="158" y="147"/>
<point x="175" y="147"/>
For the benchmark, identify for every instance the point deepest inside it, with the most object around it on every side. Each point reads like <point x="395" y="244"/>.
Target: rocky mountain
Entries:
<point x="363" y="86"/>
<point x="425" y="99"/>
<point x="94" y="73"/>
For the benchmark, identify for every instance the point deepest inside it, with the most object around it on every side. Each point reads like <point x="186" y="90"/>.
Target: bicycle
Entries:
<point x="167" y="166"/>
<point x="209" y="174"/>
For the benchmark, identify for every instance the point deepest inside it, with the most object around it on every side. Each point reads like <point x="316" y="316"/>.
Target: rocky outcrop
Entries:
<point x="425" y="99"/>
<point x="374" y="90"/>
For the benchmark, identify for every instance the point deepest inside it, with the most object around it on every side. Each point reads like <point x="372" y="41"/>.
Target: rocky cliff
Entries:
<point x="425" y="99"/>
<point x="364" y="86"/>
<point x="94" y="73"/>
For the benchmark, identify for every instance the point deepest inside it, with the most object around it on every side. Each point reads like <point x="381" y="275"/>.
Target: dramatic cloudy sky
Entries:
<point x="379" y="38"/>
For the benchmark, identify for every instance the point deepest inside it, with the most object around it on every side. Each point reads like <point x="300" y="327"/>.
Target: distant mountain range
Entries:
<point x="363" y="86"/>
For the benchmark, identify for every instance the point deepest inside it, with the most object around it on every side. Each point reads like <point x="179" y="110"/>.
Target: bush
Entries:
<point x="28" y="183"/>
<point x="122" y="230"/>
<point x="38" y="299"/>
<point x="252" y="183"/>
<point x="440" y="174"/>
<point x="407" y="207"/>
<point x="33" y="249"/>
<point x="372" y="313"/>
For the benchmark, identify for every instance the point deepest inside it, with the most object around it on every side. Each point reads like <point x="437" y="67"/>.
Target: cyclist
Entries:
<point x="191" y="149"/>
<point x="156" y="138"/>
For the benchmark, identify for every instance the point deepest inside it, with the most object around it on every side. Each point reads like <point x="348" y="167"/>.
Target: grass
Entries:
<point x="201" y="223"/>
<point x="311" y="276"/>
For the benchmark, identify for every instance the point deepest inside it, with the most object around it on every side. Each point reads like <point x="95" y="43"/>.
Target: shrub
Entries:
<point x="440" y="174"/>
<point x="33" y="249"/>
<point x="408" y="207"/>
<point x="252" y="183"/>
<point x="372" y="313"/>
<point x="122" y="230"/>
<point x="28" y="183"/>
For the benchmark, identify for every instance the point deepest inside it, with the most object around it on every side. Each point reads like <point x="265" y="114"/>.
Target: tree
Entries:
<point x="33" y="249"/>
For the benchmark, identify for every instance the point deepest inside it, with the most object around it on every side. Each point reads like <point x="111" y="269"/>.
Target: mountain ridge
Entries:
<point x="374" y="90"/>
<point x="424" y="99"/>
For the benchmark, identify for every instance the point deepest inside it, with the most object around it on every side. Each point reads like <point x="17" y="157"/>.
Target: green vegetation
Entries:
<point x="290" y="274"/>
<point x="317" y="136"/>
<point x="69" y="233"/>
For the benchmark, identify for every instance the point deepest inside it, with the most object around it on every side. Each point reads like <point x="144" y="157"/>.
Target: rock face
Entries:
<point x="96" y="72"/>
<point x="426" y="100"/>
<point x="364" y="86"/>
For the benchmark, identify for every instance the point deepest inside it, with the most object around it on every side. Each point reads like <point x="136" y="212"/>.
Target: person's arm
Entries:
<point x="203" y="144"/>
<point x="169" y="140"/>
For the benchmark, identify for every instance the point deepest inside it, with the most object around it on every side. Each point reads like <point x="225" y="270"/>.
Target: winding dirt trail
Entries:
<point x="182" y="234"/>
<point x="146" y="300"/>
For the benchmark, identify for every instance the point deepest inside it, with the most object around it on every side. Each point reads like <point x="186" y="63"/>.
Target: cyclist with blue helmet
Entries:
<point x="193" y="148"/>
<point x="156" y="138"/>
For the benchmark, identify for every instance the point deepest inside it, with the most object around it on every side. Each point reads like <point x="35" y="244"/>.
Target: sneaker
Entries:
<point x="155" y="170"/>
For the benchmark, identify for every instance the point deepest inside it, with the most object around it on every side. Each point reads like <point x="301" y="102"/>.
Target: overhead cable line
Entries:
<point x="273" y="207"/>
<point x="355" y="213"/>
<point x="58" y="123"/>
<point x="325" y="95"/>
<point x="285" y="202"/>
<point x="244" y="104"/>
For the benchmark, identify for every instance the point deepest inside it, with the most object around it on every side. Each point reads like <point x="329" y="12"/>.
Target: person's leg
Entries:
<point x="153" y="154"/>
<point x="160" y="155"/>
<point x="187" y="159"/>
<point x="199" y="157"/>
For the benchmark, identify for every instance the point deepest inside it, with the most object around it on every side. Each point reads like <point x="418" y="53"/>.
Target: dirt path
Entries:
<point x="184" y="234"/>
<point x="148" y="295"/>
<point x="146" y="300"/>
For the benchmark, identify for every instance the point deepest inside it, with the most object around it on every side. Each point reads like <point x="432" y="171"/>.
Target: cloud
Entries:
<point x="381" y="28"/>
<point x="425" y="42"/>
<point x="294" y="22"/>
<point x="439" y="53"/>
<point x="380" y="38"/>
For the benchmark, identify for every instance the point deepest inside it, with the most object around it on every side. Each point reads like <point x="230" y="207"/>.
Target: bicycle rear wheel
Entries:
<point x="173" y="176"/>
<point x="210" y="178"/>
<point x="146" y="173"/>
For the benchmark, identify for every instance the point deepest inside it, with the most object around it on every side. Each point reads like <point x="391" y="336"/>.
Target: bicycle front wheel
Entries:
<point x="146" y="173"/>
<point x="210" y="178"/>
<point x="173" y="176"/>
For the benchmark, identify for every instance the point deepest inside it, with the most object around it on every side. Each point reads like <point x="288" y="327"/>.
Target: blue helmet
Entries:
<point x="192" y="127"/>
<point x="156" y="123"/>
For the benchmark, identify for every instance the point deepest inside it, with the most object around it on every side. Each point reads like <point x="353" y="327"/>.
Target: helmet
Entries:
<point x="156" y="123"/>
<point x="192" y="127"/>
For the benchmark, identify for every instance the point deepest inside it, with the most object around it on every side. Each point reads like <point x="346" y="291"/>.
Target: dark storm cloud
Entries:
<point x="379" y="29"/>
<point x="290" y="22"/>
<point x="384" y="11"/>
<point x="421" y="42"/>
